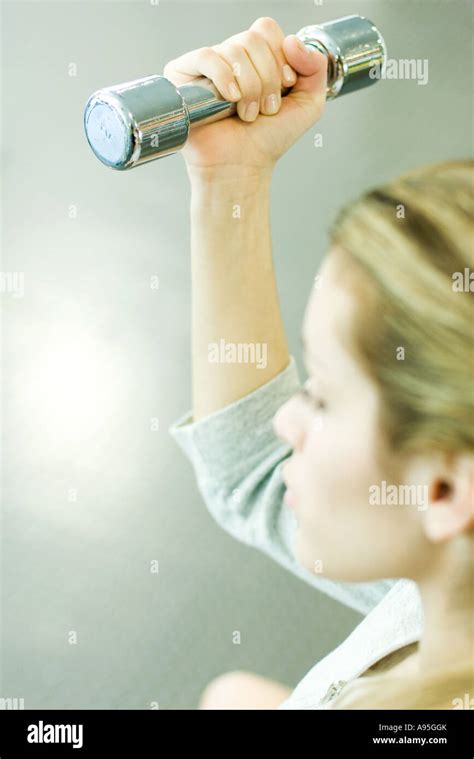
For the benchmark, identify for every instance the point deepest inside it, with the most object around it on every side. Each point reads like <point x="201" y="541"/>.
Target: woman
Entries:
<point x="380" y="436"/>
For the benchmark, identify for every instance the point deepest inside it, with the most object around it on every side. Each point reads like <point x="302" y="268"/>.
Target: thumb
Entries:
<point x="311" y="67"/>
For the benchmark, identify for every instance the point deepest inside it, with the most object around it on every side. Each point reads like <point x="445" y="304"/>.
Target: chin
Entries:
<point x="323" y="566"/>
<point x="307" y="556"/>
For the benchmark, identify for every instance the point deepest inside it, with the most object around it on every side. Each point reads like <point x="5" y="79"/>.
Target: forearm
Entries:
<point x="238" y="338"/>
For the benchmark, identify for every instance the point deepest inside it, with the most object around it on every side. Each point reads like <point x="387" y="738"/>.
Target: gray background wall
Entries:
<point x="91" y="354"/>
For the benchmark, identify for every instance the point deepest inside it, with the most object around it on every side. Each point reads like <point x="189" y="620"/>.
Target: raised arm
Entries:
<point x="234" y="297"/>
<point x="228" y="435"/>
<point x="235" y="301"/>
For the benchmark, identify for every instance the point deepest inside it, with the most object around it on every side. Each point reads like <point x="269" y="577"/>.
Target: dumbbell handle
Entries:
<point x="139" y="121"/>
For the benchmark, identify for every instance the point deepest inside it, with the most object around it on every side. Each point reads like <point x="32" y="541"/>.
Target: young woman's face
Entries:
<point x="332" y="472"/>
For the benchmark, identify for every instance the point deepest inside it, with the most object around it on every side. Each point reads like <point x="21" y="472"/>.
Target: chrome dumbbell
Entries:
<point x="139" y="121"/>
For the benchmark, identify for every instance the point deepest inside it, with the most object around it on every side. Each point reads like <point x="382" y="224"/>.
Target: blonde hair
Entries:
<point x="402" y="248"/>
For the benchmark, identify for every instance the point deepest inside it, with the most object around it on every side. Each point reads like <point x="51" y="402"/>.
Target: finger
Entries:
<point x="311" y="85"/>
<point x="274" y="35"/>
<point x="247" y="78"/>
<point x="268" y="71"/>
<point x="305" y="59"/>
<point x="204" y="61"/>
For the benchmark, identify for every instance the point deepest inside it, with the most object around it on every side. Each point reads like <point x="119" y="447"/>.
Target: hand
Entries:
<point x="250" y="69"/>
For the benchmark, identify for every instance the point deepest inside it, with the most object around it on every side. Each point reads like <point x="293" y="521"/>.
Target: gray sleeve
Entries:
<point x="237" y="461"/>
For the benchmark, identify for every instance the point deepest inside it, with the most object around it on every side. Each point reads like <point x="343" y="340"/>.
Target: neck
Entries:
<point x="447" y="596"/>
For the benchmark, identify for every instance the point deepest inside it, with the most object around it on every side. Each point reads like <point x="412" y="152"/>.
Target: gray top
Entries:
<point x="237" y="461"/>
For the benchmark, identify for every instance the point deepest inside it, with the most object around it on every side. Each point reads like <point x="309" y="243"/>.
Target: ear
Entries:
<point x="450" y="499"/>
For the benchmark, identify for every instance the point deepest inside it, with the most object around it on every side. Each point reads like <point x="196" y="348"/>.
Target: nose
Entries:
<point x="288" y="423"/>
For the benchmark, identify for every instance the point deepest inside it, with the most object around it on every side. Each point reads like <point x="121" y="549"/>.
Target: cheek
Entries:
<point x="340" y="533"/>
<point x="335" y="471"/>
<point x="337" y="462"/>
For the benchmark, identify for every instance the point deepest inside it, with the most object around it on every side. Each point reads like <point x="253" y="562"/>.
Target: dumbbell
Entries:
<point x="133" y="123"/>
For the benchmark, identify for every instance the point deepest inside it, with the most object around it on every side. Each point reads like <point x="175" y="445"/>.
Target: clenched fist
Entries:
<point x="250" y="69"/>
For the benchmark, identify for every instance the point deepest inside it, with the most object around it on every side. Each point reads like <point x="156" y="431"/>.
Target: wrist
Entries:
<point x="228" y="178"/>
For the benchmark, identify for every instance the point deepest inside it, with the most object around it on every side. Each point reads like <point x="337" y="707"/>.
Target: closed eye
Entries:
<point x="316" y="403"/>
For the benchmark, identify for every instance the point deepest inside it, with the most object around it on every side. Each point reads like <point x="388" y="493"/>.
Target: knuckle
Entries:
<point x="265" y="24"/>
<point x="231" y="49"/>
<point x="254" y="37"/>
<point x="235" y="40"/>
<point x="249" y="37"/>
<point x="207" y="52"/>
